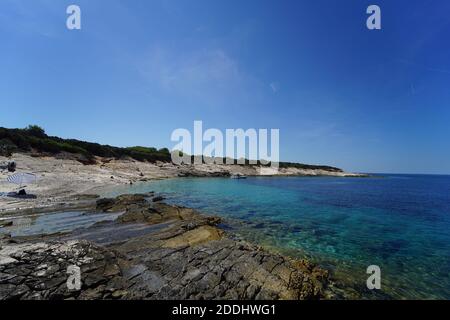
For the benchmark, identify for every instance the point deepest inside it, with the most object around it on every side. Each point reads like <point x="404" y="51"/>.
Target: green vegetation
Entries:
<point x="34" y="138"/>
<point x="296" y="165"/>
<point x="308" y="166"/>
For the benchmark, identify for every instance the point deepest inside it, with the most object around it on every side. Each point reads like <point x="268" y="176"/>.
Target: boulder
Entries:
<point x="120" y="203"/>
<point x="158" y="199"/>
<point x="104" y="204"/>
<point x="11" y="166"/>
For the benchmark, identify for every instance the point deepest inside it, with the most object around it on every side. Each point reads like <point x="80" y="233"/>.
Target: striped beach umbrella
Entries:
<point x="22" y="178"/>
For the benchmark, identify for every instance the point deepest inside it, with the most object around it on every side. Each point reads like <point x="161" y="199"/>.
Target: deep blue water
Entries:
<point x="398" y="222"/>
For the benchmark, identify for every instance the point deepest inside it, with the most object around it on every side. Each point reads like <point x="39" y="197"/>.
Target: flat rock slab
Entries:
<point x="219" y="269"/>
<point x="40" y="270"/>
<point x="154" y="251"/>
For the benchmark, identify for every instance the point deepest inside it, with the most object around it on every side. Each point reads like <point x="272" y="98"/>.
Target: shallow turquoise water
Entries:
<point x="398" y="222"/>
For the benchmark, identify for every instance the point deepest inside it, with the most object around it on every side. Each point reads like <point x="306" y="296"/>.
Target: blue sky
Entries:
<point x="370" y="101"/>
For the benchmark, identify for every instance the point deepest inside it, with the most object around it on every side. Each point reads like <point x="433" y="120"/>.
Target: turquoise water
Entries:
<point x="398" y="222"/>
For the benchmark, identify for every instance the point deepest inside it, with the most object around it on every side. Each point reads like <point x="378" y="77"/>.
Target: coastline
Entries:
<point x="62" y="179"/>
<point x="202" y="260"/>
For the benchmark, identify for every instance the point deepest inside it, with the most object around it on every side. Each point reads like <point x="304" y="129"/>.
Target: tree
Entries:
<point x="36" y="131"/>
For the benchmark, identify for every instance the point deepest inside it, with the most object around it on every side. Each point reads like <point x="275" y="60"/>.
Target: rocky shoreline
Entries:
<point x="62" y="179"/>
<point x="153" y="251"/>
<point x="142" y="248"/>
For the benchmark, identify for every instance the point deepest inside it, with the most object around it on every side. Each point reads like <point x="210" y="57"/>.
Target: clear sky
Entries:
<point x="370" y="101"/>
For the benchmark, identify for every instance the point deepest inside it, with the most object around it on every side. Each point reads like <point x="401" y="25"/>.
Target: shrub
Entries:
<point x="36" y="131"/>
<point x="7" y="147"/>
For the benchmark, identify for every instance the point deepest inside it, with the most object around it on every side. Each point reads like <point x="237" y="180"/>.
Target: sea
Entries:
<point x="400" y="223"/>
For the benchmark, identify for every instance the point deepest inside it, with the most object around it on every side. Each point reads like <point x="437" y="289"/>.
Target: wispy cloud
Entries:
<point x="208" y="75"/>
<point x="274" y="86"/>
<point x="198" y="69"/>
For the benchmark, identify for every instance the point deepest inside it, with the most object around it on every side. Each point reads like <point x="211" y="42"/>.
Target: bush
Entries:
<point x="36" y="131"/>
<point x="142" y="149"/>
<point x="7" y="147"/>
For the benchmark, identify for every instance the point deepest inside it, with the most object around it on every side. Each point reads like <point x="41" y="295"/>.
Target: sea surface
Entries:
<point x="400" y="223"/>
